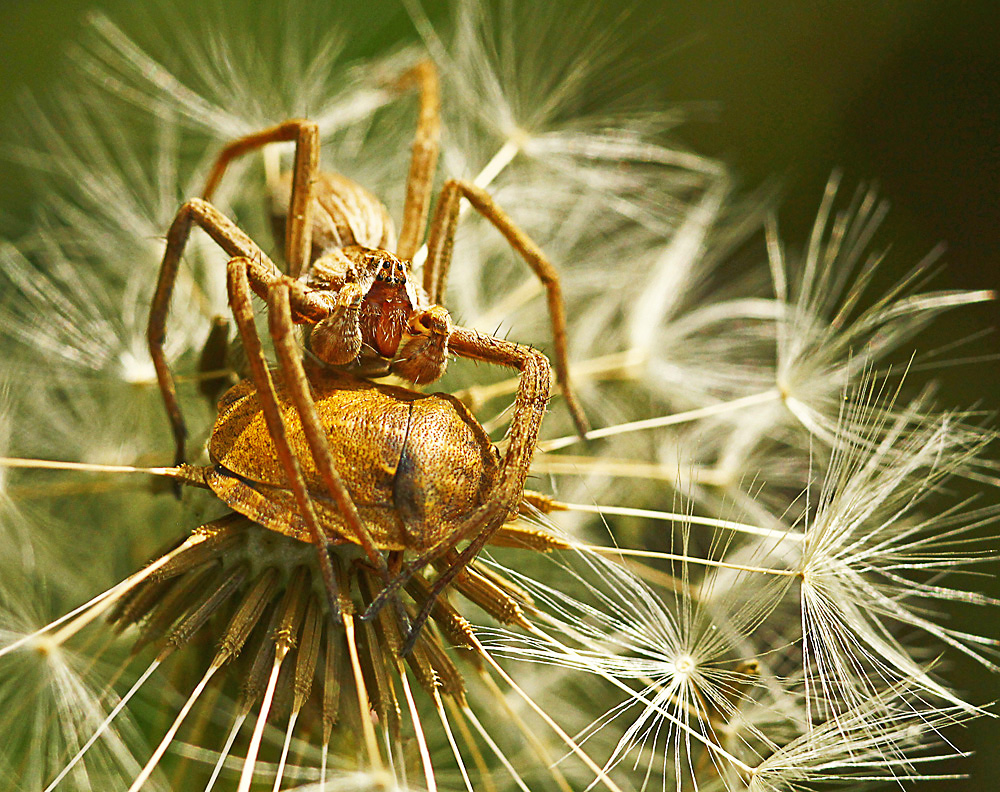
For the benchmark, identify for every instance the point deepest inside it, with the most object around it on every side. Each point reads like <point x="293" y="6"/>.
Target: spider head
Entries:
<point x="391" y="271"/>
<point x="388" y="304"/>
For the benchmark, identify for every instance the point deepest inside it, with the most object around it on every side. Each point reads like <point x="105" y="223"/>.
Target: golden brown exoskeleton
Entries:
<point x="320" y="443"/>
<point x="416" y="465"/>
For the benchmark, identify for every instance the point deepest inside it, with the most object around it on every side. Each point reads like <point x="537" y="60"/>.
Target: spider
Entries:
<point x="366" y="318"/>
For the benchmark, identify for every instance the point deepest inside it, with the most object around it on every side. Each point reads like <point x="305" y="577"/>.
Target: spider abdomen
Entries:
<point x="344" y="213"/>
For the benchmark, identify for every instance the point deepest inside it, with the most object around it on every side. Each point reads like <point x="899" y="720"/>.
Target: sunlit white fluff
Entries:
<point x="671" y="339"/>
<point x="51" y="699"/>
<point x="877" y="551"/>
<point x="894" y="736"/>
<point x="762" y="378"/>
<point x="829" y="339"/>
<point x="562" y="179"/>
<point x="225" y="81"/>
<point x="562" y="98"/>
<point x="595" y="180"/>
<point x="676" y="659"/>
<point x="79" y="281"/>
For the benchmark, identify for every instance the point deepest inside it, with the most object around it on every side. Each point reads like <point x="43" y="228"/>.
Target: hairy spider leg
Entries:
<point x="296" y="382"/>
<point x="305" y="135"/>
<point x="423" y="75"/>
<point x="423" y="157"/>
<point x="240" y="300"/>
<point x="235" y="243"/>
<point x="440" y="247"/>
<point x="506" y="494"/>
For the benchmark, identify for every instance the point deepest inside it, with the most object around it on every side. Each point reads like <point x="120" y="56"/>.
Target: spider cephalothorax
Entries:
<point x="371" y="301"/>
<point x="387" y="306"/>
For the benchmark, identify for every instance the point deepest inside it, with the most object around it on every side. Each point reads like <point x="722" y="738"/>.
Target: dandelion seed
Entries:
<point x="681" y="655"/>
<point x="870" y="558"/>
<point x="892" y="737"/>
<point x="828" y="343"/>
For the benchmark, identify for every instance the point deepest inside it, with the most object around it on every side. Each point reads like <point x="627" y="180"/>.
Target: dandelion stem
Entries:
<point x="49" y="464"/>
<point x="104" y="725"/>
<point x="496" y="166"/>
<point x="617" y="365"/>
<point x="490" y="319"/>
<point x="690" y="519"/>
<point x="485" y="775"/>
<point x="90" y="610"/>
<point x="627" y="552"/>
<point x="284" y="751"/>
<point x="363" y="704"/>
<point x="771" y="394"/>
<point x="225" y="751"/>
<point x="575" y="465"/>
<point x="537" y="745"/>
<point x="470" y="715"/>
<point x="161" y="749"/>
<point x="425" y="756"/>
<point x="246" y="777"/>
<point x="569" y="741"/>
<point x="443" y="717"/>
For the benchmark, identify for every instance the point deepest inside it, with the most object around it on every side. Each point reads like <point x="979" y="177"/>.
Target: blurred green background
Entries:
<point x="905" y="94"/>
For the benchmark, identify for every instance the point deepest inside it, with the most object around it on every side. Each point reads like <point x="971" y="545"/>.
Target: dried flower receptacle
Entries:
<point x="251" y="600"/>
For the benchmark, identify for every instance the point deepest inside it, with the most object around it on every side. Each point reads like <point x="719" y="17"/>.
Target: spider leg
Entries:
<point x="440" y="246"/>
<point x="238" y="286"/>
<point x="424" y="156"/>
<point x="305" y="134"/>
<point x="529" y="407"/>
<point x="297" y="384"/>
<point x="232" y="240"/>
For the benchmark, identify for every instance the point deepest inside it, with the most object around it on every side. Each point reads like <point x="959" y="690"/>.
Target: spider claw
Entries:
<point x="179" y="461"/>
<point x="411" y="641"/>
<point x="413" y="633"/>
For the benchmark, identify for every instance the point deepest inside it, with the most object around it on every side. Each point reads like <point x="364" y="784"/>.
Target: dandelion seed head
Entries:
<point x="769" y="638"/>
<point x="827" y="340"/>
<point x="682" y="668"/>
<point x="869" y="556"/>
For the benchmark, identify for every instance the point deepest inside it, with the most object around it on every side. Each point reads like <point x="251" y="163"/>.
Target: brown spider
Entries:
<point x="385" y="468"/>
